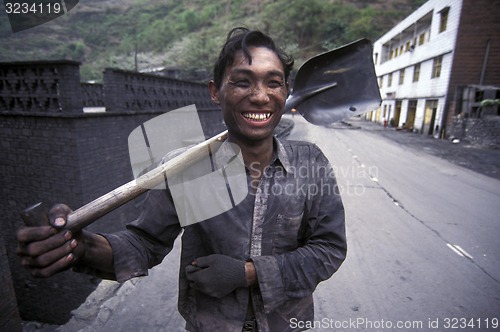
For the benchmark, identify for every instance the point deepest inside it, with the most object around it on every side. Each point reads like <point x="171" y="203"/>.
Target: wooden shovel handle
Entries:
<point x="92" y="211"/>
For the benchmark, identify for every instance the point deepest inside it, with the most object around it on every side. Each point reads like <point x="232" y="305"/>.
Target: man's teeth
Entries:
<point x="257" y="116"/>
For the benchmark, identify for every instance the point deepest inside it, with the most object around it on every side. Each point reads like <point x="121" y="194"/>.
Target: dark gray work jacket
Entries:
<point x="292" y="227"/>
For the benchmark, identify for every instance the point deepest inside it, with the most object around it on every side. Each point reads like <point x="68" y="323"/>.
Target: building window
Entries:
<point x="436" y="66"/>
<point x="375" y="60"/>
<point x="416" y="72"/>
<point x="381" y="81"/>
<point x="421" y="38"/>
<point x="389" y="80"/>
<point x="444" y="19"/>
<point x="407" y="46"/>
<point x="401" y="76"/>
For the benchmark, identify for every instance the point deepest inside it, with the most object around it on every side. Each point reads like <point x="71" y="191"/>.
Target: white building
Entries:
<point x="413" y="62"/>
<point x="438" y="65"/>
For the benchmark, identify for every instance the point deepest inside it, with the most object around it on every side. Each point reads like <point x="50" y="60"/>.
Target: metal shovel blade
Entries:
<point x="337" y="85"/>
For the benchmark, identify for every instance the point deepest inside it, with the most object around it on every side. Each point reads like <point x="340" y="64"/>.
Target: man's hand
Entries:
<point x="46" y="250"/>
<point x="217" y="275"/>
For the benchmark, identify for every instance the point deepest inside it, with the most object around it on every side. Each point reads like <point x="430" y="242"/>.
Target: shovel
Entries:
<point x="327" y="88"/>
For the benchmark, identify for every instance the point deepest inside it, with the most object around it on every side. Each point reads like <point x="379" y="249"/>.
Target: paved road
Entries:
<point x="423" y="248"/>
<point x="408" y="215"/>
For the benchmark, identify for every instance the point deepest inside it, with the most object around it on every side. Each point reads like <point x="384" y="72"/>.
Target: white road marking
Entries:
<point x="455" y="250"/>
<point x="465" y="253"/>
<point x="459" y="251"/>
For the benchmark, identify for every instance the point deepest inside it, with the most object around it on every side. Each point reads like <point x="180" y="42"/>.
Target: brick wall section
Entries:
<point x="56" y="153"/>
<point x="9" y="314"/>
<point x="92" y="95"/>
<point x="66" y="158"/>
<point x="131" y="91"/>
<point x="40" y="87"/>
<point x="478" y="23"/>
<point x="39" y="164"/>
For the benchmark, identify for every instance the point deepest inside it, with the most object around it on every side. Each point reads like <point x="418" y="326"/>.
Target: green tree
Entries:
<point x="72" y="51"/>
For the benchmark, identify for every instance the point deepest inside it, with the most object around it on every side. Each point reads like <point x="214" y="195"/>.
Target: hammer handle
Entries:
<point x="99" y="207"/>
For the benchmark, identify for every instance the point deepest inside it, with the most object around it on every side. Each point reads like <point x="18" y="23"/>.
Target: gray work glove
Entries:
<point x="217" y="275"/>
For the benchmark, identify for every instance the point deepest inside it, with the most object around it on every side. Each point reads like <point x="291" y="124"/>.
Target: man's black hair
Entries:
<point x="241" y="39"/>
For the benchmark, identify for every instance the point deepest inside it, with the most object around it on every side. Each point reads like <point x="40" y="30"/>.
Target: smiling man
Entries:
<point x="255" y="266"/>
<point x="251" y="90"/>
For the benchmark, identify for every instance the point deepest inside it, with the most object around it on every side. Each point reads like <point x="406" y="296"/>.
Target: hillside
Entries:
<point x="187" y="34"/>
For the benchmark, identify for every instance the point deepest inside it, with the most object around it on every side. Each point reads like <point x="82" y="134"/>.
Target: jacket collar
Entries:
<point x="229" y="152"/>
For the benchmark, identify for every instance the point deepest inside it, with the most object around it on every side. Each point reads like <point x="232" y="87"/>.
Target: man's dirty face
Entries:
<point x="252" y="96"/>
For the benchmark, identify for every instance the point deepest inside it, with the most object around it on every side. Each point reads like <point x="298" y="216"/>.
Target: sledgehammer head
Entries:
<point x="35" y="215"/>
